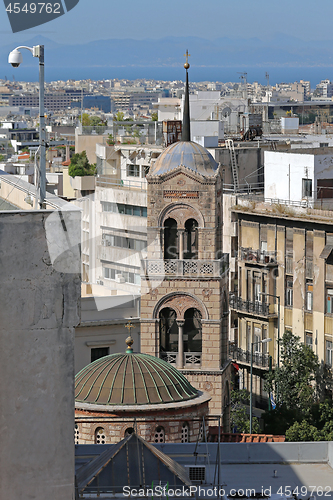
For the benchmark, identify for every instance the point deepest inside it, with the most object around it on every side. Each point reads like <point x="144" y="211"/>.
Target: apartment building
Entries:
<point x="114" y="219"/>
<point x="283" y="281"/>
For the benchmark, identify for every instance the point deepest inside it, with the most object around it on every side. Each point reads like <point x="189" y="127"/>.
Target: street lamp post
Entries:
<point x="264" y="341"/>
<point x="15" y="59"/>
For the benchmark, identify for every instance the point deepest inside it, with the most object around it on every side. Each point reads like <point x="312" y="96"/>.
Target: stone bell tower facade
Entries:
<point x="184" y="285"/>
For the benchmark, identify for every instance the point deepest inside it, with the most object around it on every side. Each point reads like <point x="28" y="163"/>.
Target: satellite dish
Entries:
<point x="226" y="112"/>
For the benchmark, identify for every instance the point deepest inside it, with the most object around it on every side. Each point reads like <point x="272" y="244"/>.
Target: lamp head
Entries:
<point x="15" y="58"/>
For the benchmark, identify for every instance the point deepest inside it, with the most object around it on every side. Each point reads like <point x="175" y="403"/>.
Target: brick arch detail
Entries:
<point x="180" y="302"/>
<point x="181" y="212"/>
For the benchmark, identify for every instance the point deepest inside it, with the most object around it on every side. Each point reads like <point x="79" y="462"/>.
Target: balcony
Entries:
<point x="238" y="354"/>
<point x="257" y="257"/>
<point x="191" y="359"/>
<point x="255" y="308"/>
<point x="187" y="268"/>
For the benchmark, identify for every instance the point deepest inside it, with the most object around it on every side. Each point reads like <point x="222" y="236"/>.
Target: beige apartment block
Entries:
<point x="284" y="259"/>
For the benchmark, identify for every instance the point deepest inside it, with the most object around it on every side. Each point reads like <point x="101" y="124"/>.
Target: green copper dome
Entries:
<point x="131" y="379"/>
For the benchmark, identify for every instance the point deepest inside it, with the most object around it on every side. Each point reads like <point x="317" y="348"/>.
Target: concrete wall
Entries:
<point x="297" y="166"/>
<point x="255" y="453"/>
<point x="103" y="321"/>
<point x="39" y="309"/>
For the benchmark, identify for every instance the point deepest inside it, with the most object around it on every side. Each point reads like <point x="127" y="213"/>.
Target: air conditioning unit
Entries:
<point x="120" y="278"/>
<point x="100" y="282"/>
<point x="196" y="473"/>
<point x="103" y="243"/>
<point x="108" y="243"/>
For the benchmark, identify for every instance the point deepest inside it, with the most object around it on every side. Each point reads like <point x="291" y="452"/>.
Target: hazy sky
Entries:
<point x="98" y="19"/>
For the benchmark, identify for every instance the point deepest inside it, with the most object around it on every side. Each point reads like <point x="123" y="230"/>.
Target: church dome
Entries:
<point x="131" y="379"/>
<point x="189" y="154"/>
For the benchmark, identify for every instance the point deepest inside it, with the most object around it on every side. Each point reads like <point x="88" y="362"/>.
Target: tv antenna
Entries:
<point x="267" y="78"/>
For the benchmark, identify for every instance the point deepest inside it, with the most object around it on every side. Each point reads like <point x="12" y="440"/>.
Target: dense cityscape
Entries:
<point x="166" y="315"/>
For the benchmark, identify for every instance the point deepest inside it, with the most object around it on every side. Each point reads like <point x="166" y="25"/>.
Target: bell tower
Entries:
<point x="184" y="285"/>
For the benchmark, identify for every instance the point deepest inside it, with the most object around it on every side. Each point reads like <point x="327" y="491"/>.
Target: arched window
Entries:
<point x="129" y="431"/>
<point x="192" y="333"/>
<point x="191" y="239"/>
<point x="168" y="331"/>
<point x="100" y="436"/>
<point x="76" y="434"/>
<point x="170" y="239"/>
<point x="185" y="433"/>
<point x="159" y="436"/>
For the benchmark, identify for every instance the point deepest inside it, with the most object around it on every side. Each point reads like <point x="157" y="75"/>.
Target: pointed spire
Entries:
<point x="186" y="133"/>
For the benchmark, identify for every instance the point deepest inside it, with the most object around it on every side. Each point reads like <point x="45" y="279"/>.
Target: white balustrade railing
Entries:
<point x="188" y="268"/>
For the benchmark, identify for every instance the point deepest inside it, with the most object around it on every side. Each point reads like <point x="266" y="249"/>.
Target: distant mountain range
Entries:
<point x="279" y="51"/>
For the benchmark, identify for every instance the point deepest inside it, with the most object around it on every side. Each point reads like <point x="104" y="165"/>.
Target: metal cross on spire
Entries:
<point x="187" y="55"/>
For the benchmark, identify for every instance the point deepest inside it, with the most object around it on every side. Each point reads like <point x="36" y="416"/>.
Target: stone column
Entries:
<point x="180" y="357"/>
<point x="181" y="243"/>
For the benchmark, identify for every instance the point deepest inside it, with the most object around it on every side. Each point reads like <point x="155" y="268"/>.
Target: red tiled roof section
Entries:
<point x="227" y="437"/>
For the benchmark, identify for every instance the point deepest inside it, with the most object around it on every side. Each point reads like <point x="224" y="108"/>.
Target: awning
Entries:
<point x="236" y="366"/>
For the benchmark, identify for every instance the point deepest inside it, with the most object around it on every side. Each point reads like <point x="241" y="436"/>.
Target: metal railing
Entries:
<point x="257" y="256"/>
<point x="188" y="268"/>
<point x="110" y="181"/>
<point x="190" y="359"/>
<point x="256" y="307"/>
<point x="239" y="354"/>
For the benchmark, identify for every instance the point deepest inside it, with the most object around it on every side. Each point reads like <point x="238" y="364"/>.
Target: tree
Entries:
<point x="154" y="116"/>
<point x="119" y="117"/>
<point x="298" y="386"/>
<point x="2" y="157"/>
<point x="303" y="431"/>
<point x="296" y="381"/>
<point x="239" y="419"/>
<point x="80" y="166"/>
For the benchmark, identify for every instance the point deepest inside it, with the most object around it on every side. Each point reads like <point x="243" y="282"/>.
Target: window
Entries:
<point x="289" y="293"/>
<point x="329" y="353"/>
<point x="309" y="297"/>
<point x="129" y="431"/>
<point x="185" y="433"/>
<point x="329" y="300"/>
<point x="264" y="336"/>
<point x="248" y="336"/>
<point x="159" y="436"/>
<point x="257" y="339"/>
<point x="308" y="339"/>
<point x="306" y="188"/>
<point x="133" y="170"/>
<point x="145" y="170"/>
<point x="100" y="436"/>
<point x="76" y="434"/>
<point x="109" y="273"/>
<point x="98" y="352"/>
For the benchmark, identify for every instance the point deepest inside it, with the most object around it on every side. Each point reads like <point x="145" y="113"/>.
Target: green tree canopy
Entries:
<point x="298" y="386"/>
<point x="295" y="383"/>
<point x="80" y="166"/>
<point x="154" y="116"/>
<point x="239" y="418"/>
<point x="119" y="117"/>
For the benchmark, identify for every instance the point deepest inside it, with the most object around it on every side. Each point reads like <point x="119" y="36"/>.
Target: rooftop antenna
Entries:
<point x="186" y="133"/>
<point x="243" y="77"/>
<point x="267" y="78"/>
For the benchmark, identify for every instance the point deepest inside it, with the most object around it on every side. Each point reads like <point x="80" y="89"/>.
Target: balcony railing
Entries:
<point x="259" y="308"/>
<point x="239" y="354"/>
<point x="190" y="360"/>
<point x="189" y="268"/>
<point x="256" y="256"/>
